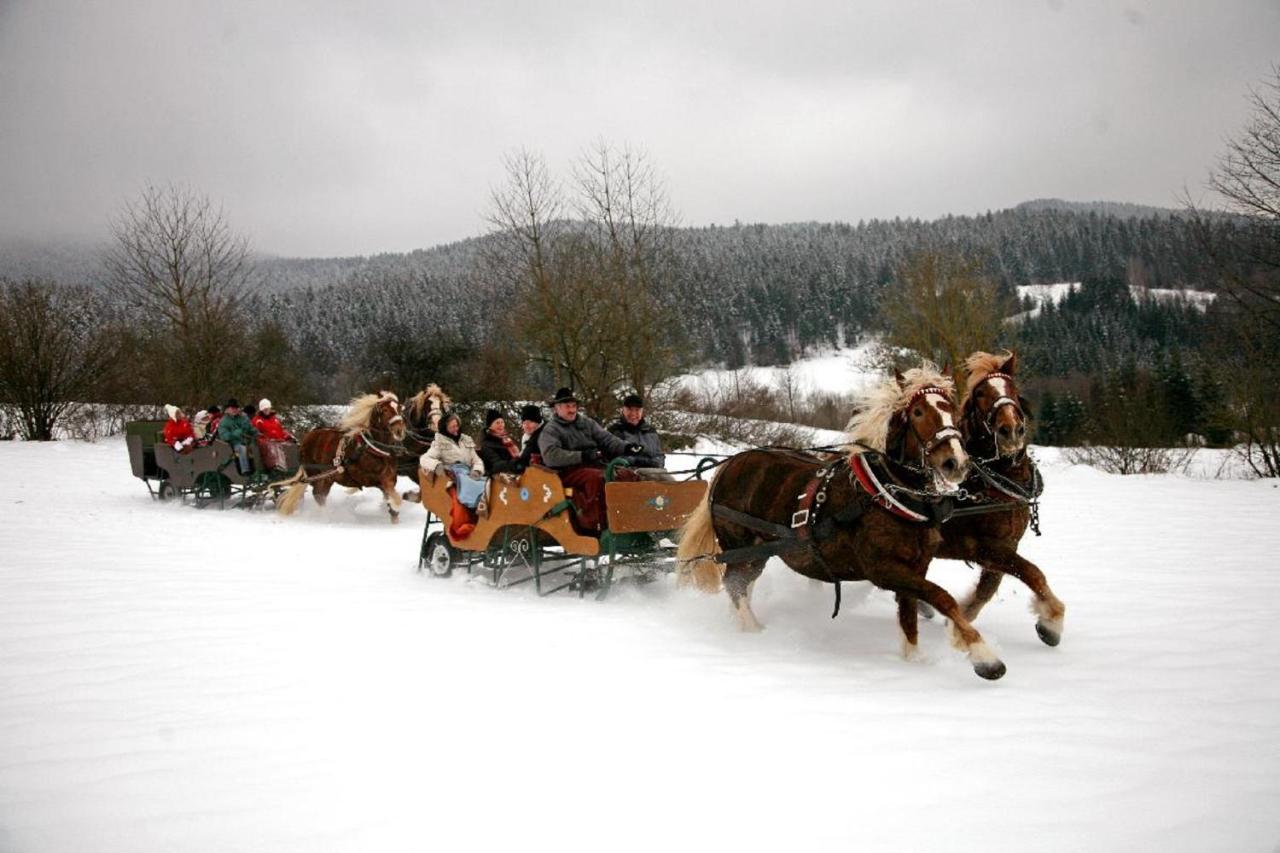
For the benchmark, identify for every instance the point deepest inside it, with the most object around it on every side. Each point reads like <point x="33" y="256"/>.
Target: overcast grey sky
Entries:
<point x="356" y="127"/>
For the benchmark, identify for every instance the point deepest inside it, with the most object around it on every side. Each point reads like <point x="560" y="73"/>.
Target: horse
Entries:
<point x="359" y="452"/>
<point x="422" y="415"/>
<point x="872" y="513"/>
<point x="993" y="419"/>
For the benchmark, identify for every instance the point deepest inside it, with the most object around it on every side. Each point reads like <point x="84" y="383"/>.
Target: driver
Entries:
<point x="577" y="448"/>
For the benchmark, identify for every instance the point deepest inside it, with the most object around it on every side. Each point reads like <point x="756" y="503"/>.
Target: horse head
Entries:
<point x="388" y="416"/>
<point x="924" y="429"/>
<point x="993" y="408"/>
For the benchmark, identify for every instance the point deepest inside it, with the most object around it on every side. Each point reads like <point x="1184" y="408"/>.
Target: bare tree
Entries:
<point x="54" y="352"/>
<point x="1244" y="251"/>
<point x="176" y="262"/>
<point x="942" y="307"/>
<point x="1244" y="260"/>
<point x="624" y="201"/>
<point x="588" y="292"/>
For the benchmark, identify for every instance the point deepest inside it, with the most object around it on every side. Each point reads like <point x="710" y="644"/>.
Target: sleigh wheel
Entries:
<point x="438" y="556"/>
<point x="166" y="492"/>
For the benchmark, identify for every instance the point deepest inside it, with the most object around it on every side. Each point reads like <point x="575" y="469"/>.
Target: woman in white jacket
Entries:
<point x="454" y="452"/>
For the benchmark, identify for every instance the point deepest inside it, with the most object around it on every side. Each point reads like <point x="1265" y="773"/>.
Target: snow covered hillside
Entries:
<point x="850" y="370"/>
<point x="182" y="680"/>
<point x="1043" y="294"/>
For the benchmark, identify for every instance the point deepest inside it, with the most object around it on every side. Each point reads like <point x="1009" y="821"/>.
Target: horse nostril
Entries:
<point x="1004" y="431"/>
<point x="949" y="465"/>
<point x="1021" y="430"/>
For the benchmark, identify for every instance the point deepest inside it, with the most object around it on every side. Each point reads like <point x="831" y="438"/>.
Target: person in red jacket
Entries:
<point x="178" y="433"/>
<point x="271" y="434"/>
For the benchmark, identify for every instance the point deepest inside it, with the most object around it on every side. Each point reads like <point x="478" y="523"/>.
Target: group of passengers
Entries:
<point x="570" y="443"/>
<point x="236" y="426"/>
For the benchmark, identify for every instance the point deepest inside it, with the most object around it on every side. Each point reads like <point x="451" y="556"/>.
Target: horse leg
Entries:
<point x="963" y="635"/>
<point x="988" y="583"/>
<point x="392" y="497"/>
<point x="739" y="578"/>
<point x="320" y="490"/>
<point x="908" y="610"/>
<point x="1049" y="609"/>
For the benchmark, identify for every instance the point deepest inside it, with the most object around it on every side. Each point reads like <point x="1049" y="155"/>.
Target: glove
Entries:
<point x="476" y="475"/>
<point x="635" y="449"/>
<point x="186" y="442"/>
<point x="590" y="457"/>
<point x="177" y="445"/>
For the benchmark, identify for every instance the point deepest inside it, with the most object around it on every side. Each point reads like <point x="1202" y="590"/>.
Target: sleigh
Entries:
<point x="206" y="475"/>
<point x="529" y="534"/>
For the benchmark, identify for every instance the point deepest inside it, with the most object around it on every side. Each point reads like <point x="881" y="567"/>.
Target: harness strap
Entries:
<point x="759" y="525"/>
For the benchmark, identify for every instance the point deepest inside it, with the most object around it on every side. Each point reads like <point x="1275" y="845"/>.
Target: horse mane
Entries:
<point x="869" y="427"/>
<point x="418" y="402"/>
<point x="980" y="365"/>
<point x="360" y="411"/>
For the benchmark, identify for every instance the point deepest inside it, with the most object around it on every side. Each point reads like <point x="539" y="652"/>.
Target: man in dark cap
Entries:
<point x="578" y="448"/>
<point x="631" y="427"/>
<point x="236" y="430"/>
<point x="531" y="427"/>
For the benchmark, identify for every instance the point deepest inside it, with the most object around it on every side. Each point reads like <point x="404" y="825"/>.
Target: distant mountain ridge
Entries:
<point x="1118" y="209"/>
<point x="80" y="262"/>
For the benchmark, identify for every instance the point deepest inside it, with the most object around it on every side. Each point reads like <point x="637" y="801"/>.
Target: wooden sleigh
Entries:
<point x="529" y="535"/>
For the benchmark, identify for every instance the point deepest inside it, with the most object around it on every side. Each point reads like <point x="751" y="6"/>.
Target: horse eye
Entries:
<point x="917" y="412"/>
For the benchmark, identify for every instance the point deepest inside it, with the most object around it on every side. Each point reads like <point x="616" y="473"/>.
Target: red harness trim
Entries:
<point x="878" y="493"/>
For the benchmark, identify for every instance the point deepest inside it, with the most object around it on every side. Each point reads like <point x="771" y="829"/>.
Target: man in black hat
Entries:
<point x="578" y="447"/>
<point x="650" y="463"/>
<point x="236" y="430"/>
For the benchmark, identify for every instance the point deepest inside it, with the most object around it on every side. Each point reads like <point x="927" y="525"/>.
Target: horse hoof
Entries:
<point x="1047" y="635"/>
<point x="990" y="671"/>
<point x="925" y="610"/>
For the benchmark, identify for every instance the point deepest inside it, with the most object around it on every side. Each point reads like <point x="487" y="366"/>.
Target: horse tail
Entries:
<point x="297" y="488"/>
<point x="697" y="544"/>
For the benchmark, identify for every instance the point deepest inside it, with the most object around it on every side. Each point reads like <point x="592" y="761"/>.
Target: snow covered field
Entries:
<point x="850" y="370"/>
<point x="183" y="680"/>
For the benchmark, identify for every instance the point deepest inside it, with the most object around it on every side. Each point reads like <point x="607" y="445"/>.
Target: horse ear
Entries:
<point x="899" y="378"/>
<point x="1010" y="363"/>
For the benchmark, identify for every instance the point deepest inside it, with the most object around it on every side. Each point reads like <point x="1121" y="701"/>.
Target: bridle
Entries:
<point x="988" y="422"/>
<point x="930" y="444"/>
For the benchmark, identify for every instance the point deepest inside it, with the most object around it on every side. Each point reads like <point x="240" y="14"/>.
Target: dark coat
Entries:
<point x="644" y="435"/>
<point x="531" y="454"/>
<point x="562" y="442"/>
<point x="236" y="429"/>
<point x="497" y="459"/>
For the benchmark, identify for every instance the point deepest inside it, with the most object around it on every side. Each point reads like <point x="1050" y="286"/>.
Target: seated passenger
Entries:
<point x="215" y="415"/>
<point x="234" y="428"/>
<point x="200" y="426"/>
<point x="500" y="454"/>
<point x="578" y="447"/>
<point x="531" y="429"/>
<point x="453" y="452"/>
<point x="271" y="434"/>
<point x="177" y="430"/>
<point x="631" y="427"/>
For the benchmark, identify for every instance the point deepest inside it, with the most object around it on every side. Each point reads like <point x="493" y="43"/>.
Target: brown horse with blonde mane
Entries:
<point x="994" y="421"/>
<point x="360" y="451"/>
<point x="872" y="514"/>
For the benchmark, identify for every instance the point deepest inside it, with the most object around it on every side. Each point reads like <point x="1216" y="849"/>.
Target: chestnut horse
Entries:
<point x="360" y="452"/>
<point x="422" y="413"/>
<point x="878" y="517"/>
<point x="994" y="422"/>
